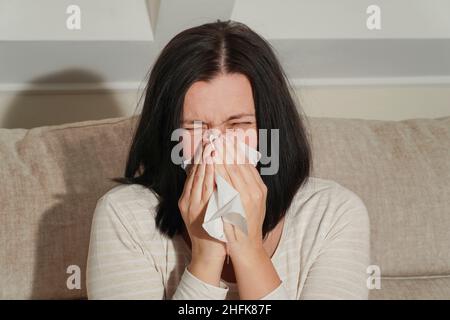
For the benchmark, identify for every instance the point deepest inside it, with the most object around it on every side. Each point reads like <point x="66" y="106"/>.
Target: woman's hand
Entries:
<point x="197" y="190"/>
<point x="244" y="177"/>
<point x="255" y="274"/>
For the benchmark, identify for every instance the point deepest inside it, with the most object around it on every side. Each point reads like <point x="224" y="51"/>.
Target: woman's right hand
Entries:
<point x="197" y="190"/>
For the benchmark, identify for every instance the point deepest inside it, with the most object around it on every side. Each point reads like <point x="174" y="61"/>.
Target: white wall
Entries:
<point x="376" y="102"/>
<point x="344" y="19"/>
<point x="51" y="75"/>
<point x="31" y="20"/>
<point x="365" y="102"/>
<point x="323" y="41"/>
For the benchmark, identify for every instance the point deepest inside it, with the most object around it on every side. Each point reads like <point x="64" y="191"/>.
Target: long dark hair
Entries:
<point x="199" y="54"/>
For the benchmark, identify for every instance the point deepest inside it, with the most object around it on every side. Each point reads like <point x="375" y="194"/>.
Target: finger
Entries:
<point x="257" y="177"/>
<point x="190" y="159"/>
<point x="219" y="159"/>
<point x="192" y="163"/>
<point x="240" y="156"/>
<point x="197" y="187"/>
<point x="189" y="181"/>
<point x="233" y="170"/>
<point x="243" y="151"/>
<point x="208" y="182"/>
<point x="198" y="153"/>
<point x="251" y="174"/>
<point x="230" y="150"/>
<point x="208" y="153"/>
<point x="243" y="165"/>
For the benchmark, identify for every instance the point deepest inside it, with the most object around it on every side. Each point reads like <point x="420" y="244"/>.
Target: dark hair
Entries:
<point x="199" y="54"/>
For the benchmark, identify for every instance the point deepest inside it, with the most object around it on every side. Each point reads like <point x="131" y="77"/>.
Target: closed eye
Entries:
<point x="240" y="123"/>
<point x="193" y="128"/>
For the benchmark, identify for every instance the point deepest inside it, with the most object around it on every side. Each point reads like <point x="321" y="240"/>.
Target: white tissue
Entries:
<point x="225" y="202"/>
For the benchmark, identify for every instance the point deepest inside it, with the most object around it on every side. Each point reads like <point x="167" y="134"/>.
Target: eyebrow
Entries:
<point x="233" y="117"/>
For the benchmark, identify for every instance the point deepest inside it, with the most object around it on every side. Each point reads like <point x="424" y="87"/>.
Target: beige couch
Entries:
<point x="52" y="176"/>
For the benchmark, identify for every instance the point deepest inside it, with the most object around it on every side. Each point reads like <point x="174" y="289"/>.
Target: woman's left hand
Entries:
<point x="245" y="178"/>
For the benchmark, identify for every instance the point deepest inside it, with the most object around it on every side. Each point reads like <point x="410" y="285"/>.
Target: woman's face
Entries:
<point x="224" y="105"/>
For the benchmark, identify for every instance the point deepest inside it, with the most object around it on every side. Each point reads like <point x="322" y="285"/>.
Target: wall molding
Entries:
<point x="384" y="81"/>
<point x="71" y="88"/>
<point x="74" y="88"/>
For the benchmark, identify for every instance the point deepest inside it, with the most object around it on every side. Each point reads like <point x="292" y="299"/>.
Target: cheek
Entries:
<point x="189" y="143"/>
<point x="249" y="137"/>
<point x="253" y="139"/>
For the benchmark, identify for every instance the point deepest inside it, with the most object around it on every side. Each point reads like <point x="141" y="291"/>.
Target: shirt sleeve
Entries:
<point x="192" y="288"/>
<point x="279" y="293"/>
<point x="339" y="270"/>
<point x="118" y="268"/>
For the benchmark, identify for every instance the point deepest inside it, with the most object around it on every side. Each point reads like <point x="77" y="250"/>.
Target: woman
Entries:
<point x="307" y="238"/>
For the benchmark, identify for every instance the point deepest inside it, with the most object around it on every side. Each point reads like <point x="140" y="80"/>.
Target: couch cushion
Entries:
<point x="51" y="179"/>
<point x="427" y="288"/>
<point x="401" y="170"/>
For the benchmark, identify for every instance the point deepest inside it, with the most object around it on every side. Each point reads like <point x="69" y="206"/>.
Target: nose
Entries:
<point x="210" y="134"/>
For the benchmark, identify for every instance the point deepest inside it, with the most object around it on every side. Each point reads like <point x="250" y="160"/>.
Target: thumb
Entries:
<point x="228" y="229"/>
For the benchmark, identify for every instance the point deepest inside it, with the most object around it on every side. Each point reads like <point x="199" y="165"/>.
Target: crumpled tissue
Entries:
<point x="225" y="202"/>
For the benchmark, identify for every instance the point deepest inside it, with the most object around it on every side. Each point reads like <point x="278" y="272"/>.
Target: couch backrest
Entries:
<point x="52" y="177"/>
<point x="401" y="170"/>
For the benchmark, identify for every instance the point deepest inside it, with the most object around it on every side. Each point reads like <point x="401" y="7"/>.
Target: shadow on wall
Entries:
<point x="34" y="108"/>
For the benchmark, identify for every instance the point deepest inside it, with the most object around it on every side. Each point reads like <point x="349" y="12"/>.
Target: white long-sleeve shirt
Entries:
<point x="323" y="252"/>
